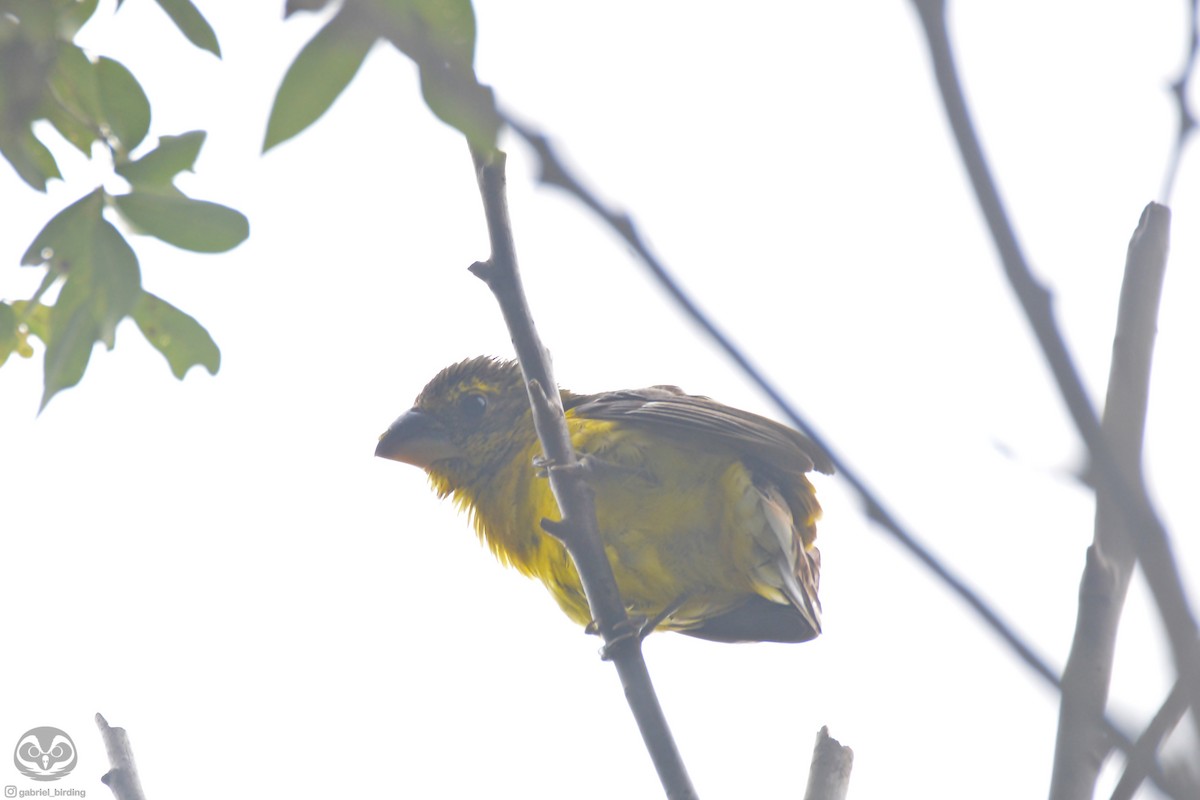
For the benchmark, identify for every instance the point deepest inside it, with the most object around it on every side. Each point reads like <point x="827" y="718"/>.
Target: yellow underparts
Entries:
<point x="681" y="526"/>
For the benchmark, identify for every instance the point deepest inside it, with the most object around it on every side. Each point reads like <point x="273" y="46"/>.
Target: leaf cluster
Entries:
<point x="99" y="107"/>
<point x="439" y="37"/>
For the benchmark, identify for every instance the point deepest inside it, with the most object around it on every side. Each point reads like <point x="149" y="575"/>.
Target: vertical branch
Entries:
<point x="1082" y="742"/>
<point x="1149" y="537"/>
<point x="122" y="776"/>
<point x="829" y="775"/>
<point x="577" y="530"/>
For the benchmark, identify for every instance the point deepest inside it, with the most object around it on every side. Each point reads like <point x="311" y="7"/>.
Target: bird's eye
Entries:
<point x="473" y="405"/>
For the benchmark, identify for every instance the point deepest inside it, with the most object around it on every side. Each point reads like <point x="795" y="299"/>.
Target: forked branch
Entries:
<point x="1082" y="741"/>
<point x="1147" y="533"/>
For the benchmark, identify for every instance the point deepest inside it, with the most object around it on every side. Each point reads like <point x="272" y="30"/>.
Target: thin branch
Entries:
<point x="1142" y="759"/>
<point x="829" y="775"/>
<point x="577" y="530"/>
<point x="554" y="173"/>
<point x="1149" y="536"/>
<point x="1082" y="743"/>
<point x="122" y="776"/>
<point x="1180" y="89"/>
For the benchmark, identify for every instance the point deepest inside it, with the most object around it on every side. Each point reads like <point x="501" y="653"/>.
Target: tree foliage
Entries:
<point x="97" y="105"/>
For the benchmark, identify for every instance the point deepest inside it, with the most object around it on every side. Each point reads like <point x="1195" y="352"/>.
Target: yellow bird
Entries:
<point x="705" y="511"/>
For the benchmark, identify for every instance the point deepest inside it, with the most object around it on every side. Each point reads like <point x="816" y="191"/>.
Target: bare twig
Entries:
<point x="122" y="776"/>
<point x="1180" y="90"/>
<point x="1141" y="521"/>
<point x="577" y="530"/>
<point x="1082" y="742"/>
<point x="1142" y="759"/>
<point x="829" y="775"/>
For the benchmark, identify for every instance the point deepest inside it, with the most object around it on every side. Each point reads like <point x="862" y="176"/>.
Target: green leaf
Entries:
<point x="192" y="24"/>
<point x="75" y="331"/>
<point x="293" y="6"/>
<point x="36" y="319"/>
<point x="159" y="209"/>
<point x="27" y="55"/>
<point x="462" y="103"/>
<point x="321" y="71"/>
<point x="15" y="332"/>
<point x="103" y="285"/>
<point x="159" y="167"/>
<point x="78" y="133"/>
<point x="30" y="158"/>
<point x="439" y="35"/>
<point x="430" y="31"/>
<point x="40" y="156"/>
<point x="183" y="341"/>
<point x="73" y="83"/>
<point x="8" y="331"/>
<point x="116" y="280"/>
<point x="179" y="220"/>
<point x="37" y="20"/>
<point x="126" y="109"/>
<point x="67" y="237"/>
<point x="74" y="15"/>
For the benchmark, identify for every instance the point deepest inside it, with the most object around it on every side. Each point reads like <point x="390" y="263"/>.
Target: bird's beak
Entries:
<point x="416" y="438"/>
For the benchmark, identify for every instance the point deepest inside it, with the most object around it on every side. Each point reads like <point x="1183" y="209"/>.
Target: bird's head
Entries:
<point x="465" y="426"/>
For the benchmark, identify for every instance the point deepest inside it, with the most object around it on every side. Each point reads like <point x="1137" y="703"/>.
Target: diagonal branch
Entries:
<point x="1142" y="759"/>
<point x="1180" y="91"/>
<point x="555" y="173"/>
<point x="577" y="530"/>
<point x="1141" y="521"/>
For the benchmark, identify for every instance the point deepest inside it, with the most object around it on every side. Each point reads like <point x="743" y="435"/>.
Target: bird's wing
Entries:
<point x="666" y="408"/>
<point x="777" y="457"/>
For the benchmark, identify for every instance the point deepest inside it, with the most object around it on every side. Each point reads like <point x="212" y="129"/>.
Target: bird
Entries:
<point x="705" y="511"/>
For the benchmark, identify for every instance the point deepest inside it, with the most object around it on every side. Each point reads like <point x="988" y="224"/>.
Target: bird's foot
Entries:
<point x="635" y="626"/>
<point x="591" y="467"/>
<point x="543" y="465"/>
<point x="629" y="629"/>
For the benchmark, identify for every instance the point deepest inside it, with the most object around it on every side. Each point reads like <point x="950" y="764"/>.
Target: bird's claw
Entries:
<point x="627" y="629"/>
<point x="592" y="467"/>
<point x="635" y="625"/>
<point x="543" y="465"/>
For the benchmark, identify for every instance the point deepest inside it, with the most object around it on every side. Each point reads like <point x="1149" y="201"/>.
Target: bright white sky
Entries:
<point x="221" y="567"/>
